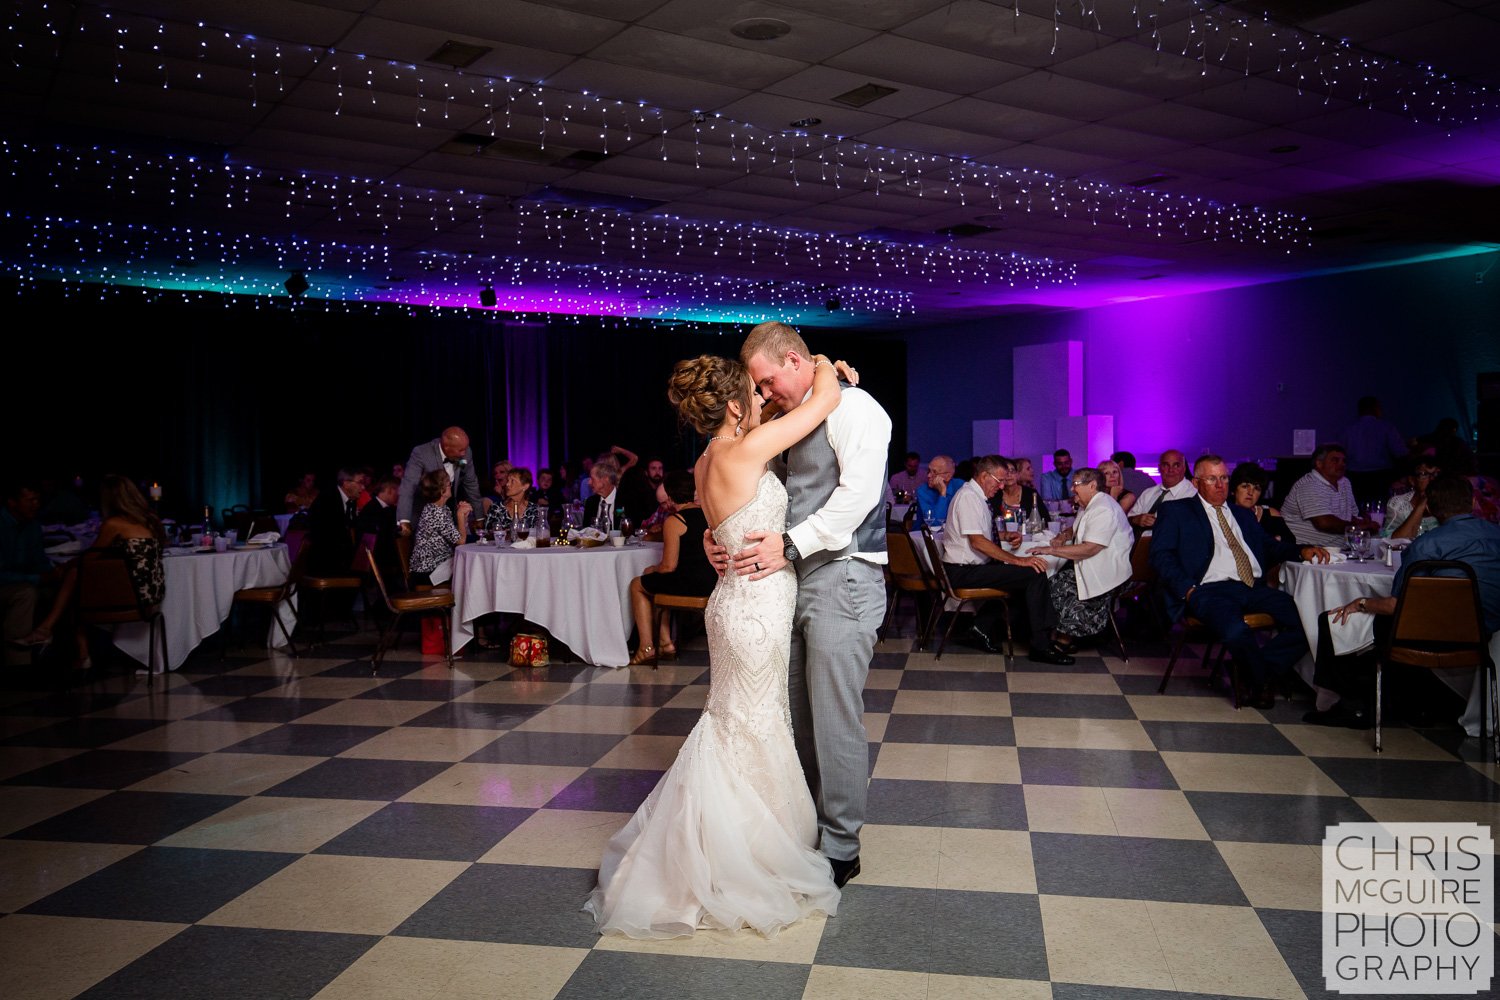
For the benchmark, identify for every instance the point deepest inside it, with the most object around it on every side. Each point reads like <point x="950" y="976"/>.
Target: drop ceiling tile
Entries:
<point x="516" y="21"/>
<point x="321" y="144"/>
<point x="696" y="208"/>
<point x="1310" y="146"/>
<point x="1462" y="46"/>
<point x="1360" y="22"/>
<point x="741" y="198"/>
<point x="911" y="135"/>
<point x="1365" y="127"/>
<point x="1107" y="141"/>
<point x="659" y="51"/>
<point x="821" y="85"/>
<point x="623" y="10"/>
<point x="1179" y="121"/>
<point x="878" y="14"/>
<point x="633" y="84"/>
<point x="1371" y="165"/>
<point x="1137" y="69"/>
<point x="1000" y="33"/>
<point x="1464" y="146"/>
<point x="1215" y="164"/>
<point x="909" y="61"/>
<point x="1033" y="156"/>
<point x="811" y="39"/>
<point x="1263" y="100"/>
<point x="308" y="23"/>
<point x="632" y="187"/>
<point x="1053" y="93"/>
<point x="1304" y="180"/>
<point x="970" y="114"/>
<point x="775" y="113"/>
<point x="407" y="43"/>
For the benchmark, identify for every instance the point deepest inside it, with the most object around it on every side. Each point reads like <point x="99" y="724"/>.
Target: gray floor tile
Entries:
<point x="1071" y="706"/>
<point x="672" y="977"/>
<point x="83" y="732"/>
<point x="519" y="904"/>
<point x="1383" y="777"/>
<point x="476" y="715"/>
<point x="1219" y="737"/>
<point x="170" y="884"/>
<point x="604" y="789"/>
<point x="670" y="722"/>
<point x="970" y="730"/>
<point x="995" y="934"/>
<point x="1272" y="819"/>
<point x="1097" y="768"/>
<point x="235" y="963"/>
<point x="357" y="778"/>
<point x="965" y="804"/>
<point x="420" y="689"/>
<point x="428" y="832"/>
<point x="1173" y="871"/>
<point x="128" y="818"/>
<point x="564" y="749"/>
<point x="654" y="695"/>
<point x="310" y="740"/>
<point x="953" y="680"/>
<point x="264" y="710"/>
<point x="102" y="769"/>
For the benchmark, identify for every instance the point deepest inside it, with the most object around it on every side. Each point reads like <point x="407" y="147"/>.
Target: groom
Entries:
<point x="835" y="539"/>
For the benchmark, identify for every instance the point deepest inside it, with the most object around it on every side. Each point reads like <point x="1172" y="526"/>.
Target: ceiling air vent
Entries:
<point x="964" y="230"/>
<point x="459" y="54"/>
<point x="860" y="96"/>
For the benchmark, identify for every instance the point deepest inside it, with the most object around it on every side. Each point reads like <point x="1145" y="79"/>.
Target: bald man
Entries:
<point x="449" y="451"/>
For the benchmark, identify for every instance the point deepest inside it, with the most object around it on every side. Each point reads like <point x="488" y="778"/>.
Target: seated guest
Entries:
<point x="1211" y="556"/>
<point x="1406" y="514"/>
<point x="1099" y="547"/>
<point x="378" y="518"/>
<point x="1114" y="484"/>
<point x="1135" y="480"/>
<point x="301" y="496"/>
<point x="549" y="489"/>
<point x="656" y="472"/>
<point x="934" y="495"/>
<point x="515" y="510"/>
<point x="907" y="478"/>
<point x="1245" y="488"/>
<point x="366" y="477"/>
<point x="973" y="559"/>
<point x="331" y="525"/>
<point x="603" y="504"/>
<point x="437" y="536"/>
<point x="1459" y="536"/>
<point x="1174" y="486"/>
<point x="23" y="567"/>
<point x="1025" y="473"/>
<point x="1015" y="501"/>
<point x="684" y="569"/>
<point x="398" y="470"/>
<point x="665" y="508"/>
<point x="1321" y="505"/>
<point x="449" y="452"/>
<point x="131" y="528"/>
<point x="1055" y="487"/>
<point x="498" y="484"/>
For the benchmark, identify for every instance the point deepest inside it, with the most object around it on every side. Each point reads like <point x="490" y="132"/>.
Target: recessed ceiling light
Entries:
<point x="760" y="29"/>
<point x="860" y="96"/>
<point x="1285" y="149"/>
<point x="459" y="54"/>
<point x="805" y="123"/>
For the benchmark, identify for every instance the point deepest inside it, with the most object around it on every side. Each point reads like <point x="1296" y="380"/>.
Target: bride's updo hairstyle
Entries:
<point x="701" y="389"/>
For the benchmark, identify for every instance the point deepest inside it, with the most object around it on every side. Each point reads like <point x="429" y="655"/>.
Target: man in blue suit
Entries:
<point x="1212" y="557"/>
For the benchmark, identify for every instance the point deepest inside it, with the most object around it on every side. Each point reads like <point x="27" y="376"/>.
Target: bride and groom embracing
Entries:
<point x="757" y="823"/>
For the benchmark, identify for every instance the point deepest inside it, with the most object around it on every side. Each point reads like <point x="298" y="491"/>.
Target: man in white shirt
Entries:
<point x="1174" y="486"/>
<point x="1321" y="506"/>
<point x="835" y="538"/>
<point x="973" y="559"/>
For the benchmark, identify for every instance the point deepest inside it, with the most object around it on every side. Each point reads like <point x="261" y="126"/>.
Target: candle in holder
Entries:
<point x="156" y="491"/>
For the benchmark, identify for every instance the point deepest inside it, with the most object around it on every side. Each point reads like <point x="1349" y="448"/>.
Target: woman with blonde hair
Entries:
<point x="1114" y="484"/>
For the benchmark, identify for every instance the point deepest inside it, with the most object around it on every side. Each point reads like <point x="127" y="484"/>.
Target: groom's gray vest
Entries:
<point x="812" y="473"/>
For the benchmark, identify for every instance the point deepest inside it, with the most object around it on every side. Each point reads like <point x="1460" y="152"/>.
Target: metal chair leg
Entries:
<point x="1379" y="690"/>
<point x="447" y="637"/>
<point x="1172" y="663"/>
<point x="1115" y="626"/>
<point x="952" y="620"/>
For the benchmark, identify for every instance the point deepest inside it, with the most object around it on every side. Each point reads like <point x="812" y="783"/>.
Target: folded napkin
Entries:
<point x="1355" y="634"/>
<point x="1335" y="556"/>
<point x="523" y="543"/>
<point x="65" y="548"/>
<point x="593" y="534"/>
<point x="264" y="538"/>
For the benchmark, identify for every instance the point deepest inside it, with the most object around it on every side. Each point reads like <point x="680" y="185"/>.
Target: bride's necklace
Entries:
<point x="724" y="437"/>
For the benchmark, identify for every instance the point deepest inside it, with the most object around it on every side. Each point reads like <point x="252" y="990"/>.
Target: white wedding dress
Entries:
<point x="726" y="838"/>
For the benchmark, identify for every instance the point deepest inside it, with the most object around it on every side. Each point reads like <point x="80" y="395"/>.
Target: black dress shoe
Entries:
<point x="1054" y="656"/>
<point x="1265" y="696"/>
<point x="843" y="871"/>
<point x="979" y="639"/>
<point x="1346" y="713"/>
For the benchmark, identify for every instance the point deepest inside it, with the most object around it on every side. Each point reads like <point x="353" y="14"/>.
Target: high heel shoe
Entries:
<point x="643" y="656"/>
<point x="37" y="640"/>
<point x="666" y="653"/>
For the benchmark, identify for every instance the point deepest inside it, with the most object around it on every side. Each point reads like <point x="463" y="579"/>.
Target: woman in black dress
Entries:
<point x="684" y="569"/>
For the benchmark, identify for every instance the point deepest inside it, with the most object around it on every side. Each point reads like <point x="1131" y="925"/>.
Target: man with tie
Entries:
<point x="330" y="526"/>
<point x="1174" y="486"/>
<point x="1212" y="557"/>
<point x="603" y="502"/>
<point x="449" y="451"/>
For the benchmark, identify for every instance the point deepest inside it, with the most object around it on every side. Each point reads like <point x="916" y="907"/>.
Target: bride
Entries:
<point x="726" y="839"/>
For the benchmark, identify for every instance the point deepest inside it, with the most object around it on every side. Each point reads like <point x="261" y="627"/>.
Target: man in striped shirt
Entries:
<point x="1321" y="505"/>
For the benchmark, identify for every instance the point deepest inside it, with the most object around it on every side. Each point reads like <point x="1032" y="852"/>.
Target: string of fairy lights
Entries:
<point x="146" y="51"/>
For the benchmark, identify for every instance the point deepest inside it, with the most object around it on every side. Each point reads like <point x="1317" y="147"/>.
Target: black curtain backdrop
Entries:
<point x="225" y="401"/>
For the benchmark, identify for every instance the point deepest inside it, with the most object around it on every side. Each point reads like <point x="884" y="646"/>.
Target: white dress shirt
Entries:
<point x="1146" y="500"/>
<point x="1102" y="521"/>
<point x="968" y="514"/>
<point x="1222" y="565"/>
<point x="859" y="431"/>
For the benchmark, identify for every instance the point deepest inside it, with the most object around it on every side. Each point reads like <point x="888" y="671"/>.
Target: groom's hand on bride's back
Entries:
<point x="761" y="557"/>
<point x="718" y="555"/>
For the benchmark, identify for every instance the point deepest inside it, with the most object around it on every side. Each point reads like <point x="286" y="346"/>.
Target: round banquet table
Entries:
<point x="200" y="596"/>
<point x="580" y="595"/>
<point x="1320" y="587"/>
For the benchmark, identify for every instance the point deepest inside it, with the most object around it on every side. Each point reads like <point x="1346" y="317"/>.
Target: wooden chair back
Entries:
<point x="106" y="594"/>
<point x="906" y="569"/>
<point x="1438" y="620"/>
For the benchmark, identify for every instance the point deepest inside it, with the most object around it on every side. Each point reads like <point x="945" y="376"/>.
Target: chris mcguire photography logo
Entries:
<point x="1408" y="908"/>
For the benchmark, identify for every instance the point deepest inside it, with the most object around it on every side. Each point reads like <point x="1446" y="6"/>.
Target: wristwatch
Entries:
<point x="789" y="548"/>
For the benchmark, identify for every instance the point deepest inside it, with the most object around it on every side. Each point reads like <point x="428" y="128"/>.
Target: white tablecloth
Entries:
<point x="200" y="595"/>
<point x="1318" y="587"/>
<point x="579" y="595"/>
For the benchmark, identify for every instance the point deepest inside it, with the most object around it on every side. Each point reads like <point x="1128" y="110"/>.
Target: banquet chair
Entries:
<point x="906" y="575"/>
<point x="1439" y="624"/>
<point x="964" y="596"/>
<point x="237" y="519"/>
<point x="403" y="555"/>
<point x="1195" y="629"/>
<point x="324" y="585"/>
<point x="418" y="602"/>
<point x="107" y="596"/>
<point x="271" y="596"/>
<point x="661" y="604"/>
<point x="261" y="523"/>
